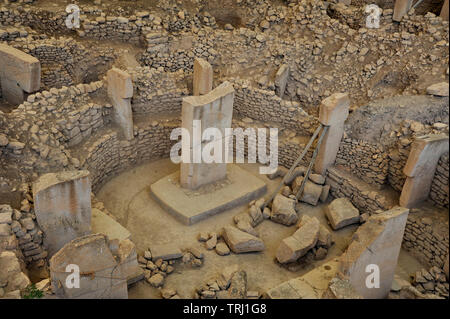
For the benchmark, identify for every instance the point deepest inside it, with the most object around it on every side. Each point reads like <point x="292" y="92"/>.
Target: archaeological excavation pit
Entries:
<point x="238" y="149"/>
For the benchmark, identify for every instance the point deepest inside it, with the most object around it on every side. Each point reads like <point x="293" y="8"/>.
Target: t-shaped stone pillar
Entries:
<point x="19" y="73"/>
<point x="333" y="113"/>
<point x="401" y="8"/>
<point x="372" y="256"/>
<point x="213" y="110"/>
<point x="62" y="204"/>
<point x="420" y="168"/>
<point x="444" y="11"/>
<point x="203" y="77"/>
<point x="120" y="91"/>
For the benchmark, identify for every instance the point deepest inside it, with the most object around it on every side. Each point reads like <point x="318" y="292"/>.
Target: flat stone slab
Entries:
<point x="192" y="206"/>
<point x="166" y="251"/>
<point x="103" y="224"/>
<point x="309" y="286"/>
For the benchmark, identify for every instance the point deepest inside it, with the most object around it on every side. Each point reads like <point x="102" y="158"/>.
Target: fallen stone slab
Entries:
<point x="297" y="245"/>
<point x="241" y="242"/>
<point x="283" y="210"/>
<point x="168" y="251"/>
<point x="104" y="224"/>
<point x="341" y="212"/>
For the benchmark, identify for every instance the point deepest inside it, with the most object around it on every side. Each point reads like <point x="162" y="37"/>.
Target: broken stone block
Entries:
<point x="62" y="204"/>
<point x="377" y="242"/>
<point x="438" y="89"/>
<point x="168" y="251"/>
<point x="238" y="285"/>
<point x="222" y="249"/>
<point x="11" y="276"/>
<point x="317" y="178"/>
<point x="325" y="238"/>
<point x="311" y="193"/>
<point x="297" y="245"/>
<point x="283" y="210"/>
<point x="101" y="277"/>
<point x="340" y="289"/>
<point x="156" y="280"/>
<point x="341" y="212"/>
<point x="127" y="258"/>
<point x="241" y="242"/>
<point x="324" y="195"/>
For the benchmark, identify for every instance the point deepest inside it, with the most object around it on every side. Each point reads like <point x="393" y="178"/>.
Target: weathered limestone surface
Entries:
<point x="281" y="79"/>
<point x="11" y="276"/>
<point x="438" y="89"/>
<point x="104" y="224"/>
<point x="376" y="242"/>
<point x="62" y="203"/>
<point x="19" y="72"/>
<point x="401" y="8"/>
<point x="333" y="113"/>
<point x="213" y="110"/>
<point x="283" y="210"/>
<point x="203" y="77"/>
<point x="340" y="289"/>
<point x="101" y="275"/>
<point x="444" y="11"/>
<point x="120" y="91"/>
<point x="341" y="212"/>
<point x="241" y="242"/>
<point x="297" y="245"/>
<point x="312" y="285"/>
<point x="420" y="168"/>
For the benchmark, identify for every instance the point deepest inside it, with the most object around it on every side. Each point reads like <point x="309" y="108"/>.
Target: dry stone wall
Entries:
<point x="265" y="106"/>
<point x="439" y="188"/>
<point x="106" y="155"/>
<point x="157" y="92"/>
<point x="426" y="236"/>
<point x="366" y="199"/>
<point x="368" y="161"/>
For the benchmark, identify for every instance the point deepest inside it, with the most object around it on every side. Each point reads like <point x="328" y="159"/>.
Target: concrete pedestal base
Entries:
<point x="191" y="206"/>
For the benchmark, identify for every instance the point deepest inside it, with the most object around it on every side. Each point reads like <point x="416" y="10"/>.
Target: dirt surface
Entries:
<point x="127" y="198"/>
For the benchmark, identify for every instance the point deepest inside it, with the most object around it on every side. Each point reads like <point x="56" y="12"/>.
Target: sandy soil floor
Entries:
<point x="127" y="197"/>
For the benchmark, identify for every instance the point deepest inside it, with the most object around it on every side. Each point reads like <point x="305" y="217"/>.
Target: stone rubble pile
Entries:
<point x="310" y="237"/>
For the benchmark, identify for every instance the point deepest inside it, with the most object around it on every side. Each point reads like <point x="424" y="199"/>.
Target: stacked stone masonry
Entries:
<point x="427" y="238"/>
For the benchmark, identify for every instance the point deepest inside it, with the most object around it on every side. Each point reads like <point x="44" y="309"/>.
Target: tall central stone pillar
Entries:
<point x="212" y="110"/>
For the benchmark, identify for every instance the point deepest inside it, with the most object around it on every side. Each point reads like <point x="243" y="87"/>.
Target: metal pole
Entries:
<point x="313" y="159"/>
<point x="305" y="150"/>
